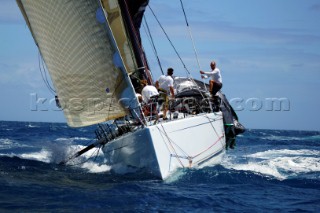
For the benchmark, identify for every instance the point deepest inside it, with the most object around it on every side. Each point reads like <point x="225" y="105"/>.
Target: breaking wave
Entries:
<point x="281" y="164"/>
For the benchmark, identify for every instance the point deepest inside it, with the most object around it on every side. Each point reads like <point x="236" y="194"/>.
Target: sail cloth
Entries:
<point x="115" y="21"/>
<point x="88" y="71"/>
<point x="132" y="14"/>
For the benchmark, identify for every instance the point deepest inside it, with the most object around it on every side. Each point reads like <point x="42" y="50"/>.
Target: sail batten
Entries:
<point x="87" y="69"/>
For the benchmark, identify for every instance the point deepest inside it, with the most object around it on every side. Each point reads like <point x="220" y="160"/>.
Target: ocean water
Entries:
<point x="268" y="171"/>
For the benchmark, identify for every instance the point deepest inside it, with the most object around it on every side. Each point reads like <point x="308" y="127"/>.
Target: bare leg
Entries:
<point x="165" y="107"/>
<point x="211" y="85"/>
<point x="165" y="112"/>
<point x="211" y="82"/>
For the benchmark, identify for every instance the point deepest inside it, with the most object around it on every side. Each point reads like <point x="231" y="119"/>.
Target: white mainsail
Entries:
<point x="88" y="71"/>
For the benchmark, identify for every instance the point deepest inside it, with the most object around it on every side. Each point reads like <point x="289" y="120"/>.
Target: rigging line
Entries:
<point x="42" y="75"/>
<point x="95" y="158"/>
<point x="163" y="139"/>
<point x="215" y="129"/>
<point x="137" y="38"/>
<point x="188" y="72"/>
<point x="211" y="125"/>
<point x="207" y="159"/>
<point x="170" y="142"/>
<point x="86" y="160"/>
<point x="124" y="75"/>
<point x="190" y="33"/>
<point x="208" y="147"/>
<point x="41" y="72"/>
<point x="113" y="94"/>
<point x="193" y="43"/>
<point x="127" y="34"/>
<point x="45" y="75"/>
<point x="74" y="155"/>
<point x="90" y="142"/>
<point x="130" y="45"/>
<point x="148" y="36"/>
<point x="153" y="45"/>
<point x="186" y="155"/>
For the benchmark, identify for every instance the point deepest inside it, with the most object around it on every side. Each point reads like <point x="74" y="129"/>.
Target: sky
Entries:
<point x="268" y="52"/>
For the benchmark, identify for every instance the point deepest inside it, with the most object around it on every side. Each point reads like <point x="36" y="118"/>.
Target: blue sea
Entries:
<point x="268" y="171"/>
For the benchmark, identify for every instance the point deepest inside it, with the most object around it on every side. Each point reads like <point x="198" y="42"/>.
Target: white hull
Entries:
<point x="161" y="149"/>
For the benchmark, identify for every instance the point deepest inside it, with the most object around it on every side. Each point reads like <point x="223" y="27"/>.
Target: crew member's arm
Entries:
<point x="206" y="73"/>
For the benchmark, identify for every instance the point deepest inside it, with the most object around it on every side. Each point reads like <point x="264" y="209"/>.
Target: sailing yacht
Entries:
<point x="94" y="55"/>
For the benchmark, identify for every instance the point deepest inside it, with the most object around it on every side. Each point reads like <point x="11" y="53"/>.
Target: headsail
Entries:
<point x="124" y="18"/>
<point x="77" y="41"/>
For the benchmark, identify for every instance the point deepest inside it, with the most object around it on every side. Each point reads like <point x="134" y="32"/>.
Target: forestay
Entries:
<point x="88" y="70"/>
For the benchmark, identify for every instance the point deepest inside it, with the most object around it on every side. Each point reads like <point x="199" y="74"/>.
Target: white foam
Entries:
<point x="281" y="164"/>
<point x="94" y="167"/>
<point x="296" y="164"/>
<point x="289" y="138"/>
<point x="56" y="156"/>
<point x="62" y="139"/>
<point x="58" y="152"/>
<point x="43" y="156"/>
<point x="175" y="176"/>
<point x="284" y="152"/>
<point x="82" y="161"/>
<point x="63" y="151"/>
<point x="314" y="137"/>
<point x="82" y="139"/>
<point x="8" y="155"/>
<point x="74" y="138"/>
<point x="281" y="138"/>
<point x="91" y="153"/>
<point x="260" y="168"/>
<point x="5" y="141"/>
<point x="31" y="126"/>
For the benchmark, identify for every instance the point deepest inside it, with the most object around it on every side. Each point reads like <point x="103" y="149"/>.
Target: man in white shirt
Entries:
<point x="147" y="92"/>
<point x="216" y="79"/>
<point x="165" y="84"/>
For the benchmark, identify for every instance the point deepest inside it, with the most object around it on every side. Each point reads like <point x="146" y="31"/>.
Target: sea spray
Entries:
<point x="60" y="150"/>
